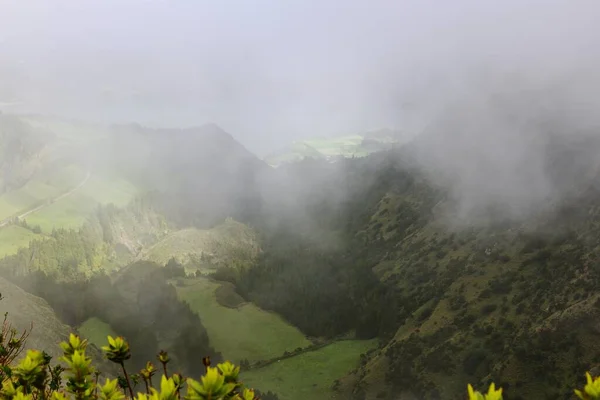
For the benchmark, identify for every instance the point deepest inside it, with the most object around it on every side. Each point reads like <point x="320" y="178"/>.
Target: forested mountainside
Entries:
<point x="504" y="298"/>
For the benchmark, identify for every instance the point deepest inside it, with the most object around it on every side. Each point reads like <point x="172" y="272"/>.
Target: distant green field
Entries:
<point x="343" y="145"/>
<point x="95" y="330"/>
<point x="26" y="197"/>
<point x="68" y="212"/>
<point x="346" y="146"/>
<point x="71" y="211"/>
<point x="43" y="187"/>
<point x="247" y="332"/>
<point x="309" y="375"/>
<point x="13" y="237"/>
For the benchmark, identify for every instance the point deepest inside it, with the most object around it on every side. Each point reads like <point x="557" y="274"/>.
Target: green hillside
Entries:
<point x="109" y="189"/>
<point x="14" y="237"/>
<point x="471" y="302"/>
<point x="73" y="210"/>
<point x="230" y="243"/>
<point x="31" y="195"/>
<point x="472" y="293"/>
<point x="453" y="303"/>
<point x="50" y="182"/>
<point x="69" y="212"/>
<point x="243" y="332"/>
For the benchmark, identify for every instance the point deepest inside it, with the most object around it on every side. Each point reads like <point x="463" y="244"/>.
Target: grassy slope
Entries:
<point x="68" y="212"/>
<point x="230" y="242"/>
<point x="72" y="211"/>
<point x="96" y="331"/>
<point x="66" y="140"/>
<point x="26" y="197"/>
<point x="311" y="374"/>
<point x="48" y="184"/>
<point x="247" y="332"/>
<point x="13" y="237"/>
<point x="109" y="189"/>
<point x="180" y="244"/>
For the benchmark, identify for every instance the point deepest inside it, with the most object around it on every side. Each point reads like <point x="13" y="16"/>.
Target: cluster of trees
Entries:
<point x="139" y="305"/>
<point x="68" y="255"/>
<point x="23" y="224"/>
<point x="75" y="254"/>
<point x="324" y="293"/>
<point x="315" y="269"/>
<point x="319" y="276"/>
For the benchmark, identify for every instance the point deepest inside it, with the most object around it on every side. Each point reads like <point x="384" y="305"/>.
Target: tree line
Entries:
<point x="140" y="305"/>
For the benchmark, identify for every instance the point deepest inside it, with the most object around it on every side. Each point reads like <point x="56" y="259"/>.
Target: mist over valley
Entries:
<point x="347" y="200"/>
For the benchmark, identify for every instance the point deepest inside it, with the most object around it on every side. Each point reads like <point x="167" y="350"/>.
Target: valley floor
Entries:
<point x="310" y="375"/>
<point x="248" y="332"/>
<point x="245" y="332"/>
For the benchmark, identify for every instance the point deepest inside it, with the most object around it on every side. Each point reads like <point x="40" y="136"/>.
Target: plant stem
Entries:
<point x="164" y="364"/>
<point x="127" y="379"/>
<point x="96" y="387"/>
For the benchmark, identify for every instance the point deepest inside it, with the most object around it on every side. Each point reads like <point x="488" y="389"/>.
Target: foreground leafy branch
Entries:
<point x="591" y="391"/>
<point x="33" y="378"/>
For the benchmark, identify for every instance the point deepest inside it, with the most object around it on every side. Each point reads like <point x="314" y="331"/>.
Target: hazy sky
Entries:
<point x="270" y="71"/>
